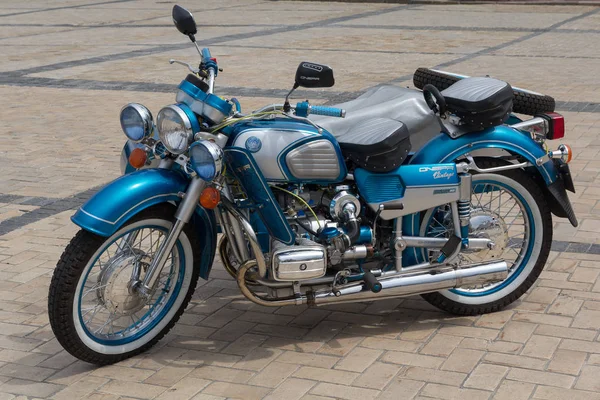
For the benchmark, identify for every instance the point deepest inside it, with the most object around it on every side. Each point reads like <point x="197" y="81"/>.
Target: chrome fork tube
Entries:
<point x="182" y="216"/>
<point x="234" y="231"/>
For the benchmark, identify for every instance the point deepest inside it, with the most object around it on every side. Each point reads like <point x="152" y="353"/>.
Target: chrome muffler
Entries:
<point x="416" y="282"/>
<point x="397" y="284"/>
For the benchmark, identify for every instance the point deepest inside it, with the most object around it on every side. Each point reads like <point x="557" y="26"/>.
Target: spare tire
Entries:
<point x="525" y="101"/>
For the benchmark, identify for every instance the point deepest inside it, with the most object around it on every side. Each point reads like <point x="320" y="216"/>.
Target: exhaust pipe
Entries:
<point x="417" y="282"/>
<point x="397" y="285"/>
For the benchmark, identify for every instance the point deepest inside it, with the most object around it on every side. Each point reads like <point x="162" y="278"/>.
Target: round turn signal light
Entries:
<point x="138" y="158"/>
<point x="569" y="152"/>
<point x="210" y="198"/>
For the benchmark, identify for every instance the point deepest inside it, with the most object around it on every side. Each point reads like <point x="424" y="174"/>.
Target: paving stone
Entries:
<point x="441" y="345"/>
<point x="236" y="391"/>
<point x="486" y="377"/>
<point x="567" y="362"/>
<point x="452" y="392"/>
<point x="512" y="390"/>
<point x="540" y="346"/>
<point x="358" y="359"/>
<point x="462" y="360"/>
<point x="344" y="392"/>
<point x="326" y="375"/>
<point x="407" y="387"/>
<point x="377" y="376"/>
<point x="291" y="389"/>
<point x="273" y="374"/>
<point x="588" y="380"/>
<point x="540" y="377"/>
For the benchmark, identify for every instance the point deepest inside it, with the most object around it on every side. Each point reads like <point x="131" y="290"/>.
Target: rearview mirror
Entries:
<point x="184" y="21"/>
<point x="310" y="75"/>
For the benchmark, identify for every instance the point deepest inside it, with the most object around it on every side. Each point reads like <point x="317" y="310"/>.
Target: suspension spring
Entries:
<point x="464" y="214"/>
<point x="464" y="210"/>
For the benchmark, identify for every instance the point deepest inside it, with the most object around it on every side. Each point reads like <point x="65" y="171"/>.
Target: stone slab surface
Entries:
<point x="68" y="66"/>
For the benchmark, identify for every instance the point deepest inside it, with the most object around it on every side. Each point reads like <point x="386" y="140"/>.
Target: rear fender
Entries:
<point x="445" y="149"/>
<point x="503" y="138"/>
<point x="110" y="208"/>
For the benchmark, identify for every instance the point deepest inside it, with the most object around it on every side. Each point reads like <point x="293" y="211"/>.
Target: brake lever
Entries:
<point x="192" y="69"/>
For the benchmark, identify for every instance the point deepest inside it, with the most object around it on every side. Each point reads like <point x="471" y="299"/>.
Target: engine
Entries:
<point x="327" y="221"/>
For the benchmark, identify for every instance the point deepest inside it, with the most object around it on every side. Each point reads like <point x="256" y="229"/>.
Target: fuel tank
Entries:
<point x="280" y="150"/>
<point x="289" y="151"/>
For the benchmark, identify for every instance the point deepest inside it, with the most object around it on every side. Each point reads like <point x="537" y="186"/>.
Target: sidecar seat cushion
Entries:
<point x="376" y="144"/>
<point x="480" y="102"/>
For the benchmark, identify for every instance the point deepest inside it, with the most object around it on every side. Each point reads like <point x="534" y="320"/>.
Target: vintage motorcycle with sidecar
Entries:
<point x="395" y="193"/>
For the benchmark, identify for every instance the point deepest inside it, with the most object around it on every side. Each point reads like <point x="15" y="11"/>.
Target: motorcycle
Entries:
<point x="398" y="192"/>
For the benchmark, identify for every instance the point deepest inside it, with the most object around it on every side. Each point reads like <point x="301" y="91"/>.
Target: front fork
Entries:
<point x="183" y="214"/>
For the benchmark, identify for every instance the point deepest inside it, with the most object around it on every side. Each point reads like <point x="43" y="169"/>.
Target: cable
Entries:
<point x="302" y="201"/>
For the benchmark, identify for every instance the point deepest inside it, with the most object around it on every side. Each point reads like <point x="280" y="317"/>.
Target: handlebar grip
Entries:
<point x="328" y="111"/>
<point x="206" y="54"/>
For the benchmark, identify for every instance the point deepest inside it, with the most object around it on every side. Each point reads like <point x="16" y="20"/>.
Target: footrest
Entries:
<point x="449" y="248"/>
<point x="371" y="282"/>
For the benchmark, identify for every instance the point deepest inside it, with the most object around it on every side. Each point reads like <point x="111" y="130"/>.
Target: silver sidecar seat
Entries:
<point x="388" y="102"/>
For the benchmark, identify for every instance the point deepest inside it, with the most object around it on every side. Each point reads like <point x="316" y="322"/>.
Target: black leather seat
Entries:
<point x="376" y="144"/>
<point x="480" y="102"/>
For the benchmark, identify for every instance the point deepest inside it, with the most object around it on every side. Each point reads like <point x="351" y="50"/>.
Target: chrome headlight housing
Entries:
<point x="136" y="121"/>
<point x="176" y="125"/>
<point x="206" y="158"/>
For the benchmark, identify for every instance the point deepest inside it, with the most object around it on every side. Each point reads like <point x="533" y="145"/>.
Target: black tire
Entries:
<point x="66" y="277"/>
<point x="524" y="102"/>
<point x="444" y="303"/>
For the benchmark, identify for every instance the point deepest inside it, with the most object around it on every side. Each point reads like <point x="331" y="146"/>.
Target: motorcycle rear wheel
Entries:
<point x="527" y="205"/>
<point x="92" y="312"/>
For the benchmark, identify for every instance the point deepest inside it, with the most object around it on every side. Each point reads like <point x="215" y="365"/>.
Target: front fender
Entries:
<point x="445" y="149"/>
<point x="107" y="211"/>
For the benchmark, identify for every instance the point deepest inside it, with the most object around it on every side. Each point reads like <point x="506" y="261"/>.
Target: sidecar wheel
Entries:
<point x="525" y="101"/>
<point x="93" y="314"/>
<point x="524" y="239"/>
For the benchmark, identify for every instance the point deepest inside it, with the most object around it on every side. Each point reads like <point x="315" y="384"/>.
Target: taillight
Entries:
<point x="556" y="125"/>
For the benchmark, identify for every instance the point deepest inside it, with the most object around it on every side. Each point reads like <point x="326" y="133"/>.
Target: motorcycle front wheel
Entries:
<point x="510" y="209"/>
<point x="94" y="313"/>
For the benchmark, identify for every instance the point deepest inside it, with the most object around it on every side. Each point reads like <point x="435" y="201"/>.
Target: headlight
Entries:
<point x="207" y="159"/>
<point x="176" y="127"/>
<point x="136" y="121"/>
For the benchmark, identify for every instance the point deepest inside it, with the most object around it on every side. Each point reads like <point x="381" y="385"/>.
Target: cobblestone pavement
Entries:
<point x="67" y="67"/>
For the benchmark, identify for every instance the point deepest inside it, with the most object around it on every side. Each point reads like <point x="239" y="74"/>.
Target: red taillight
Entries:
<point x="556" y="125"/>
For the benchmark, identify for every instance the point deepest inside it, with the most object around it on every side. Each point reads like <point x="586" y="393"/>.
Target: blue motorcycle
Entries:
<point x="398" y="192"/>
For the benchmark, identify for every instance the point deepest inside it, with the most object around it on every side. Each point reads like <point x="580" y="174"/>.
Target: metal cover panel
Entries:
<point x="314" y="160"/>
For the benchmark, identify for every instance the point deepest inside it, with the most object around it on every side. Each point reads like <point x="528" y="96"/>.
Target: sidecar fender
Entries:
<point x="107" y="211"/>
<point x="445" y="149"/>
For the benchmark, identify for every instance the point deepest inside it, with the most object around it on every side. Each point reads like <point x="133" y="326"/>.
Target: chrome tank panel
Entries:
<point x="314" y="160"/>
<point x="289" y="151"/>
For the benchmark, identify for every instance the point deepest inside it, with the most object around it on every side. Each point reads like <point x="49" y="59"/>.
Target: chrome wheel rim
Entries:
<point x="490" y="199"/>
<point x="110" y="311"/>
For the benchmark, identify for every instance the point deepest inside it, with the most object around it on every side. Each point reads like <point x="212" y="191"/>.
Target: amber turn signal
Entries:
<point x="569" y="152"/>
<point x="138" y="158"/>
<point x="210" y="198"/>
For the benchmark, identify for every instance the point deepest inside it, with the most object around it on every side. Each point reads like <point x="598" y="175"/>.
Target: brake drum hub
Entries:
<point x="115" y="282"/>
<point x="485" y="224"/>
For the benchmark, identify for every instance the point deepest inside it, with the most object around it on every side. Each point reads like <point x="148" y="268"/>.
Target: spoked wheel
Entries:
<point x="509" y="209"/>
<point x="95" y="313"/>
